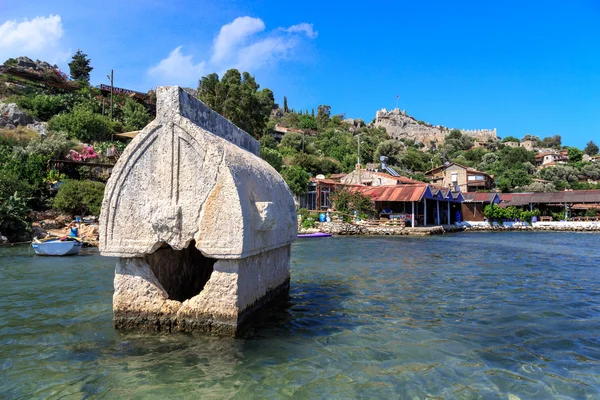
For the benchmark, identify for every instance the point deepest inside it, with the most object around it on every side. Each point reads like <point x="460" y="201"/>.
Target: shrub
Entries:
<point x="83" y="124"/>
<point x="347" y="202"/>
<point x="307" y="122"/>
<point x="79" y="197"/>
<point x="20" y="136"/>
<point x="296" y="179"/>
<point x="135" y="115"/>
<point x="55" y="145"/>
<point x="14" y="222"/>
<point x="43" y="106"/>
<point x="273" y="157"/>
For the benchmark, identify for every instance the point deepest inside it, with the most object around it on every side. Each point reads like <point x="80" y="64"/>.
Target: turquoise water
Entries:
<point x="468" y="316"/>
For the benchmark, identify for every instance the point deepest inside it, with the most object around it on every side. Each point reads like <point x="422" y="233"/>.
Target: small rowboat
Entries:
<point x="314" y="235"/>
<point x="64" y="246"/>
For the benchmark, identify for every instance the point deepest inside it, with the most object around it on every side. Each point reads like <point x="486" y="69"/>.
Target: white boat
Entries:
<point x="57" y="247"/>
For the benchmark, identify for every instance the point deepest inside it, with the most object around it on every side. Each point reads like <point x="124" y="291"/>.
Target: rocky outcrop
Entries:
<point x="202" y="225"/>
<point x="41" y="128"/>
<point x="399" y="125"/>
<point x="11" y="116"/>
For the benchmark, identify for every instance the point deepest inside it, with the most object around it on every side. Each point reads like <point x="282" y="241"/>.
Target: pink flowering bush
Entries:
<point x="88" y="153"/>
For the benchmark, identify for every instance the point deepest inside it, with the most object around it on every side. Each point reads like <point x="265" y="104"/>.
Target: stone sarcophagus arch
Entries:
<point x="201" y="224"/>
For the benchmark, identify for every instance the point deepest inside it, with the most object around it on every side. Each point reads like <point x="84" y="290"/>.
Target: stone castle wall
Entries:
<point x="399" y="125"/>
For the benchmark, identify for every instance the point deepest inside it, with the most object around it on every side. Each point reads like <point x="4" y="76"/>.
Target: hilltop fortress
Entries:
<point x="400" y="125"/>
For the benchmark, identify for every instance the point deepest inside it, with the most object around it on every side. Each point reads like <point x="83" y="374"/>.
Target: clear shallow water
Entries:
<point x="474" y="315"/>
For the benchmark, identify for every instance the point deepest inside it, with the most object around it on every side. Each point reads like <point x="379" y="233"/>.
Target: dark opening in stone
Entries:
<point x="183" y="273"/>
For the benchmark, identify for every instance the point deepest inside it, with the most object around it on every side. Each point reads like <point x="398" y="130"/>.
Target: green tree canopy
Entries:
<point x="392" y="149"/>
<point x="237" y="98"/>
<point x="135" y="115"/>
<point x="575" y="155"/>
<point x="79" y="67"/>
<point x="296" y="178"/>
<point x="273" y="157"/>
<point x="306" y="121"/>
<point x="510" y="139"/>
<point x="554" y="142"/>
<point x="323" y="113"/>
<point x="591" y="149"/>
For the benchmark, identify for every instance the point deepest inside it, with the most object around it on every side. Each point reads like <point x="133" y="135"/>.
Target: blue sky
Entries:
<point x="523" y="67"/>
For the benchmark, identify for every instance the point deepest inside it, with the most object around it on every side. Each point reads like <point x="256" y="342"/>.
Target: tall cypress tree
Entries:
<point x="80" y="67"/>
<point x="285" y="106"/>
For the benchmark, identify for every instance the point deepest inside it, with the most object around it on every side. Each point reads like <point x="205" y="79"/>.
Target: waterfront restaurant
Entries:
<point x="417" y="204"/>
<point x="547" y="203"/>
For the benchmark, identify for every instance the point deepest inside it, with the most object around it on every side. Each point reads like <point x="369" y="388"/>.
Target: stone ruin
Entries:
<point x="399" y="125"/>
<point x="201" y="224"/>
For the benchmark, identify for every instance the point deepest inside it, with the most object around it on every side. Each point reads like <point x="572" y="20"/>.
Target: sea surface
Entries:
<point x="457" y="316"/>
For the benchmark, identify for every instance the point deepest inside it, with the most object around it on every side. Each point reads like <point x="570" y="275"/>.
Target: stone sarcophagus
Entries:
<point x="201" y="224"/>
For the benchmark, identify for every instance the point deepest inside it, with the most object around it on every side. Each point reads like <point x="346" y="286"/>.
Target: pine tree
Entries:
<point x="285" y="106"/>
<point x="591" y="149"/>
<point x="80" y="67"/>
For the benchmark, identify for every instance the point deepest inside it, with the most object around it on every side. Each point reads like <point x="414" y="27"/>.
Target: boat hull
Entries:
<point x="314" y="235"/>
<point x="57" y="247"/>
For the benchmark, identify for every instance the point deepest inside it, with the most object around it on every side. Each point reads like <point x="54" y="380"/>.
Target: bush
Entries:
<point x="273" y="157"/>
<point x="135" y="115"/>
<point x="43" y="106"/>
<point x="296" y="178"/>
<point x="83" y="124"/>
<point x="494" y="213"/>
<point x="79" y="197"/>
<point x="55" y="145"/>
<point x="14" y="222"/>
<point x="347" y="202"/>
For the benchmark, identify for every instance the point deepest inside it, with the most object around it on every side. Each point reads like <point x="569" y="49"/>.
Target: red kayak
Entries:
<point x="314" y="235"/>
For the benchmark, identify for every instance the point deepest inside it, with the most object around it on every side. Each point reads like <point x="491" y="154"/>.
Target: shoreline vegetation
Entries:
<point x="59" y="138"/>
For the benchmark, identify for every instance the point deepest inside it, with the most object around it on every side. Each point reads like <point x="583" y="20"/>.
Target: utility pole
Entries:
<point x="358" y="140"/>
<point x="112" y="80"/>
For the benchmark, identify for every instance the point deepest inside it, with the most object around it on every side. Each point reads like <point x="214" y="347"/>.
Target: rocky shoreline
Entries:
<point x="559" y="226"/>
<point x="347" y="229"/>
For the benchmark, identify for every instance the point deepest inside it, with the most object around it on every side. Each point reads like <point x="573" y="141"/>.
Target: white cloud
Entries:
<point x="234" y="34"/>
<point x="305" y="28"/>
<point x="178" y="69"/>
<point x="36" y="38"/>
<point x="264" y="52"/>
<point x="240" y="44"/>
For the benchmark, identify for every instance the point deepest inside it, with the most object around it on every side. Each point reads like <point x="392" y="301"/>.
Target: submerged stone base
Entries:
<point x="219" y="297"/>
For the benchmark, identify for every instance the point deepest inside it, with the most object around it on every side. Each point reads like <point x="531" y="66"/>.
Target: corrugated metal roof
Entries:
<point x="479" y="197"/>
<point x="394" y="192"/>
<point x="569" y="197"/>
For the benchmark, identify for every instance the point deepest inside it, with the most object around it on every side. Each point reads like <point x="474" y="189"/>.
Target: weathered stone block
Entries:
<point x="201" y="223"/>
